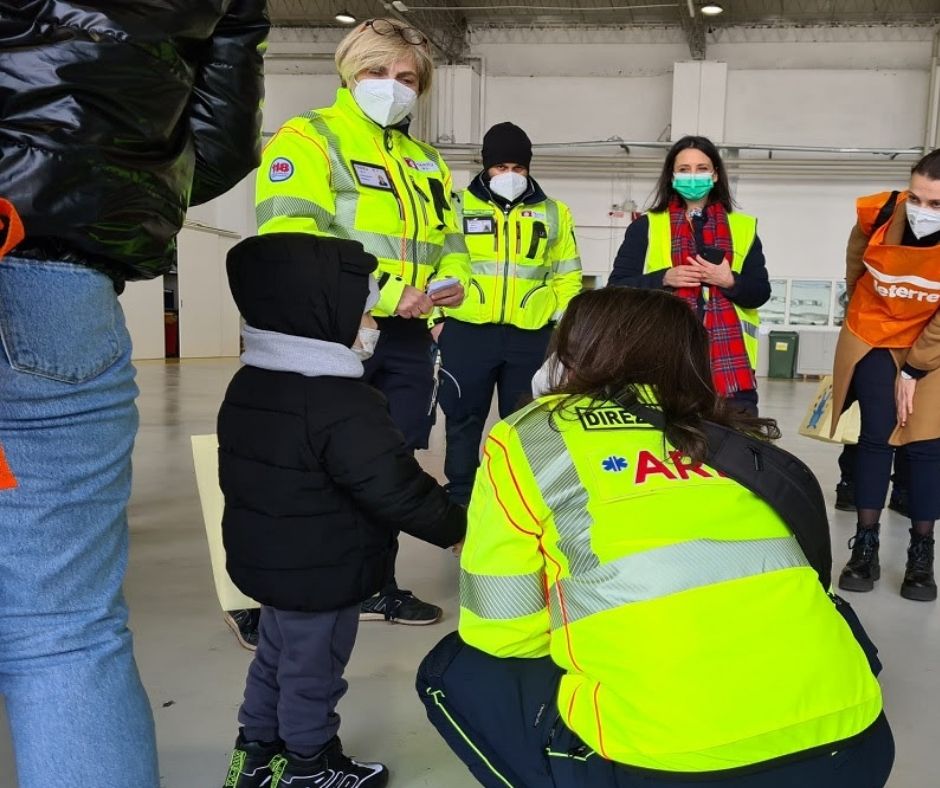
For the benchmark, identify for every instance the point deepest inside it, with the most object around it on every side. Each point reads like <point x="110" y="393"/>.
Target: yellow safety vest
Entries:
<point x="694" y="635"/>
<point x="335" y="172"/>
<point x="743" y="232"/>
<point x="524" y="262"/>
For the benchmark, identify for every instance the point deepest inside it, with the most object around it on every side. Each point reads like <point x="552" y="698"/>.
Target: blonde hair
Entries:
<point x="363" y="49"/>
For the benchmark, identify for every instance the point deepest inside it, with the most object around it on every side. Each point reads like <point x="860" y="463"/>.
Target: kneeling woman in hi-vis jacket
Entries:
<point x="644" y="585"/>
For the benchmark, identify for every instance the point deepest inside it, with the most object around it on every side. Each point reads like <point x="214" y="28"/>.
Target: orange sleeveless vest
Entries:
<point x="899" y="292"/>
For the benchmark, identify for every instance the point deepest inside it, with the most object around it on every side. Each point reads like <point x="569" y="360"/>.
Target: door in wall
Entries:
<point x="209" y="325"/>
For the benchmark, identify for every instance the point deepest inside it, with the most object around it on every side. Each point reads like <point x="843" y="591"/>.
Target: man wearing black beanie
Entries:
<point x="506" y="142"/>
<point x="525" y="270"/>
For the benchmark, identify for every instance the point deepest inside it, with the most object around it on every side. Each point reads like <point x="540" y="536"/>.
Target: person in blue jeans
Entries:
<point x="114" y="117"/>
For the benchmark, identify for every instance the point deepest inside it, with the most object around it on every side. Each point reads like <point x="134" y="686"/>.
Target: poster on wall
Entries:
<point x="841" y="302"/>
<point x="810" y="301"/>
<point x="774" y="312"/>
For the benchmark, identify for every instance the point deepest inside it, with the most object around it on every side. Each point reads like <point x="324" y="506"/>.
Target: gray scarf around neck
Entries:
<point x="312" y="358"/>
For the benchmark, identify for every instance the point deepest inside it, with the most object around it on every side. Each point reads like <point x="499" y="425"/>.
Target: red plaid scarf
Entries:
<point x="731" y="367"/>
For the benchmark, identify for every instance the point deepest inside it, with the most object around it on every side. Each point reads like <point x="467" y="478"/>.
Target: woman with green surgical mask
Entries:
<point x="693" y="243"/>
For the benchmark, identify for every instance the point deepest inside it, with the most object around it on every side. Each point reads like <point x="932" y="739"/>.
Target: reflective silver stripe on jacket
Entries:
<point x="562" y="490"/>
<point x="502" y="597"/>
<point x="657" y="573"/>
<point x="493" y="268"/>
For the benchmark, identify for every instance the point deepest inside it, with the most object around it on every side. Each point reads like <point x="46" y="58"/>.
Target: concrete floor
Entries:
<point x="194" y="670"/>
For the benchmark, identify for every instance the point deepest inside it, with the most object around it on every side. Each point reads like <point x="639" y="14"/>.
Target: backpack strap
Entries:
<point x="777" y="477"/>
<point x="886" y="212"/>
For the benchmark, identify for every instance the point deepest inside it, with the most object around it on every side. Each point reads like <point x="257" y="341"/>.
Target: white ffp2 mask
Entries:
<point x="509" y="185"/>
<point x="923" y="221"/>
<point x="386" y="101"/>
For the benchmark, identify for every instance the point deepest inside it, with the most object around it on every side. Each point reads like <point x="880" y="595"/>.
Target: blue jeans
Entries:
<point x="76" y="706"/>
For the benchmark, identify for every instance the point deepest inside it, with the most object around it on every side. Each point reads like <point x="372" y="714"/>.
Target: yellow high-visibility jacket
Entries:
<point x="524" y="259"/>
<point x="694" y="634"/>
<point x="743" y="232"/>
<point x="335" y="172"/>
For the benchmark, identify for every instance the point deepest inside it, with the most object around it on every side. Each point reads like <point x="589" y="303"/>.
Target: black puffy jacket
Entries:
<point x="116" y="116"/>
<point x="315" y="475"/>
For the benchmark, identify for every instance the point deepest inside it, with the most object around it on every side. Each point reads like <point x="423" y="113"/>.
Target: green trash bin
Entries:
<point x="784" y="346"/>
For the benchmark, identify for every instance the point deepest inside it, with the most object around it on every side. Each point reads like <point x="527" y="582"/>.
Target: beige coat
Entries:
<point x="924" y="422"/>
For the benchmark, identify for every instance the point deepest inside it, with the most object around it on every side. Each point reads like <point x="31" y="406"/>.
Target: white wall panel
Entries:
<point x="575" y="109"/>
<point x="827" y="107"/>
<point x="209" y="322"/>
<point x="581" y="57"/>
<point x="143" y="309"/>
<point x="287" y="95"/>
<point x="804" y="226"/>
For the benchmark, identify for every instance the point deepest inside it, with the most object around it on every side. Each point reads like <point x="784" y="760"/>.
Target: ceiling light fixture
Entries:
<point x="712" y="9"/>
<point x="345" y="18"/>
<point x="399" y="6"/>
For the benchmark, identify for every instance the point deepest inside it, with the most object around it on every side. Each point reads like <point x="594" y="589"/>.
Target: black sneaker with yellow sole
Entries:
<point x="331" y="767"/>
<point x="250" y="766"/>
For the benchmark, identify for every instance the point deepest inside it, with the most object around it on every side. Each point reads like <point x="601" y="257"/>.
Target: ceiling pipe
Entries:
<point x="626" y="145"/>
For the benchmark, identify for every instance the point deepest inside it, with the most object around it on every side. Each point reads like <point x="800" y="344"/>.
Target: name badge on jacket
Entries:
<point x="475" y="225"/>
<point x="372" y="175"/>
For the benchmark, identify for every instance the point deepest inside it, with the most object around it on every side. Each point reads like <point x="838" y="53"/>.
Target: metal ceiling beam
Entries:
<point x="448" y="31"/>
<point x="691" y="20"/>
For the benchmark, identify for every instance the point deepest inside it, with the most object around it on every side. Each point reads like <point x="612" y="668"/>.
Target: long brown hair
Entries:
<point x="613" y="341"/>
<point x="665" y="194"/>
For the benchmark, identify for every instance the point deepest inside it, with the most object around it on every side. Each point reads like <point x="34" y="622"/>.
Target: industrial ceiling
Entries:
<point x="514" y="13"/>
<point x="450" y="22"/>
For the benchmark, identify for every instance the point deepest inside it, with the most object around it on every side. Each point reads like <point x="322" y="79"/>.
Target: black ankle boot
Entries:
<point x="918" y="582"/>
<point x="863" y="569"/>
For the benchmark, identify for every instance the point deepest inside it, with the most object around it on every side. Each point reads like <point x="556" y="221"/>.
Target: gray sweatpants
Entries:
<point x="296" y="678"/>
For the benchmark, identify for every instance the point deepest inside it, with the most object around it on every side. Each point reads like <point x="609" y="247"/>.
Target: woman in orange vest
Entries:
<point x="888" y="359"/>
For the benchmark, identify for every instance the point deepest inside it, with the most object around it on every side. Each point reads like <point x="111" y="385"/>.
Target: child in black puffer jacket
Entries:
<point x="317" y="482"/>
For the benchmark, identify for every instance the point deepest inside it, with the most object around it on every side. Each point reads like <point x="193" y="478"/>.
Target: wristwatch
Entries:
<point x="907" y="375"/>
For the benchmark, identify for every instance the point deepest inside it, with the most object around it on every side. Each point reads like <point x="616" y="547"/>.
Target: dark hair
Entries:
<point x="720" y="193"/>
<point x="612" y="341"/>
<point x="928" y="166"/>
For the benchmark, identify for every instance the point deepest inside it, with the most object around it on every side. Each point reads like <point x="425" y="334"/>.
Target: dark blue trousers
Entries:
<point x="403" y="370"/>
<point x="478" y="359"/>
<point x="901" y="478"/>
<point x="873" y="387"/>
<point x="296" y="678"/>
<point x="499" y="716"/>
